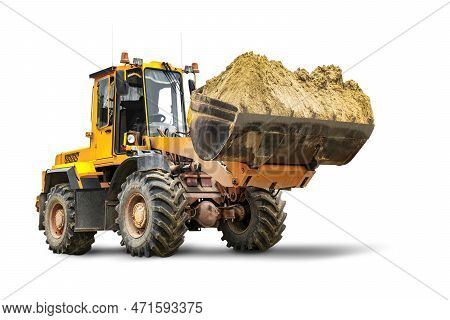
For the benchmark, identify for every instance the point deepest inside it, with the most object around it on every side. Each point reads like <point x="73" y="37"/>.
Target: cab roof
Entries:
<point x="152" y="64"/>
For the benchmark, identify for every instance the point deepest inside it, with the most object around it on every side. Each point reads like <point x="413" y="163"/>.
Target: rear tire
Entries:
<point x="152" y="216"/>
<point x="263" y="224"/>
<point x="59" y="223"/>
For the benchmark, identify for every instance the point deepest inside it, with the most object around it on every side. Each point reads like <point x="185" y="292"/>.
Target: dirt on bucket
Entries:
<point x="256" y="84"/>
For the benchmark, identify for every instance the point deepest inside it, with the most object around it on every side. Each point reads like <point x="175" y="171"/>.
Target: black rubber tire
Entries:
<point x="263" y="228"/>
<point x="166" y="218"/>
<point x="70" y="242"/>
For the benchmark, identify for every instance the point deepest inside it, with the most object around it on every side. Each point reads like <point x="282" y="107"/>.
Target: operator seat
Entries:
<point x="134" y="114"/>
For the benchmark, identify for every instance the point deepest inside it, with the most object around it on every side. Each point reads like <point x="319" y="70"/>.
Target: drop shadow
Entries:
<point x="281" y="251"/>
<point x="106" y="251"/>
<point x="278" y="252"/>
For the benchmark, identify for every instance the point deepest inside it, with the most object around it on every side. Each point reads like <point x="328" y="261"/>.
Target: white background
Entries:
<point x="394" y="196"/>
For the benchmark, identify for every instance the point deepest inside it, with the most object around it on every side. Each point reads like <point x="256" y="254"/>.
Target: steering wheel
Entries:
<point x="158" y="117"/>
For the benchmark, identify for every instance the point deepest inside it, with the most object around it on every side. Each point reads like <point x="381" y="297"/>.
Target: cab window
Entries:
<point x="105" y="101"/>
<point x="164" y="101"/>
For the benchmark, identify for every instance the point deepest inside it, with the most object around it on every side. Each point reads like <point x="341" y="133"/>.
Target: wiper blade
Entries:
<point x="172" y="80"/>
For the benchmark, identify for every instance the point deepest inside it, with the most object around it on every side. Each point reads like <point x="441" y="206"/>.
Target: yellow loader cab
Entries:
<point x="141" y="174"/>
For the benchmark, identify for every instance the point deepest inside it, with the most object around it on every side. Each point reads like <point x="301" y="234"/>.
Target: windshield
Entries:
<point x="164" y="101"/>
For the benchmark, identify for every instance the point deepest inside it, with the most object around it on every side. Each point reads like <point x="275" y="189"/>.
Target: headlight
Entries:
<point x="131" y="139"/>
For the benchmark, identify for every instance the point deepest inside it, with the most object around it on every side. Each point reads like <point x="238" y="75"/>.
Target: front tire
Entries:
<point x="59" y="223"/>
<point x="152" y="216"/>
<point x="262" y="225"/>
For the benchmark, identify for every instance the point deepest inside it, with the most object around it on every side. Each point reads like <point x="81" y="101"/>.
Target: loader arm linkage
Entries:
<point x="237" y="174"/>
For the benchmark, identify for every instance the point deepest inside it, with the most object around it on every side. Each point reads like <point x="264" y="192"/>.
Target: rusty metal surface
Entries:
<point x="197" y="179"/>
<point x="207" y="214"/>
<point x="57" y="220"/>
<point x="235" y="174"/>
<point x="183" y="146"/>
<point x="135" y="215"/>
<point x="234" y="212"/>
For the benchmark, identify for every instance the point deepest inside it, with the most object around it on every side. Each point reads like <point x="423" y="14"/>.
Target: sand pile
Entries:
<point x="258" y="85"/>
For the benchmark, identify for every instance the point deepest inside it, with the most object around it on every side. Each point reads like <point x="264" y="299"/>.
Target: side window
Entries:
<point x="105" y="102"/>
<point x="102" y="102"/>
<point x="112" y="92"/>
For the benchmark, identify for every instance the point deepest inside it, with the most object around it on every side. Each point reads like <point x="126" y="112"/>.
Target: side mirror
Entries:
<point x="191" y="85"/>
<point x="122" y="85"/>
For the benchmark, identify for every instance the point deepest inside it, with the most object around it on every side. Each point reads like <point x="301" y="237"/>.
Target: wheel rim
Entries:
<point x="57" y="220"/>
<point x="239" y="227"/>
<point x="136" y="215"/>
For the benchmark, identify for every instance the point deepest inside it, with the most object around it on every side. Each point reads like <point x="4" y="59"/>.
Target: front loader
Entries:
<point x="150" y="176"/>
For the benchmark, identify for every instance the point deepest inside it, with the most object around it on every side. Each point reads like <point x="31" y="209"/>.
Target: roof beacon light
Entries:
<point x="124" y="58"/>
<point x="195" y="67"/>
<point x="192" y="68"/>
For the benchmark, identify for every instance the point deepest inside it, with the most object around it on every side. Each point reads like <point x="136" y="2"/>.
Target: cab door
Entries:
<point x="103" y="126"/>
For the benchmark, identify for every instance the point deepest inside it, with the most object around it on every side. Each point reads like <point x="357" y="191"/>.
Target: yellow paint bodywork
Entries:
<point x="80" y="167"/>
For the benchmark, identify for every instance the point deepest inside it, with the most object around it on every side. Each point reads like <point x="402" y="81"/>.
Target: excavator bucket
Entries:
<point x="221" y="131"/>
